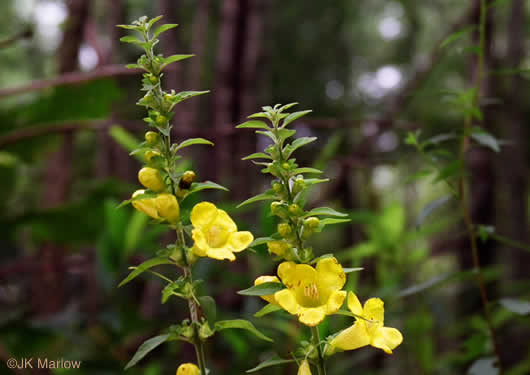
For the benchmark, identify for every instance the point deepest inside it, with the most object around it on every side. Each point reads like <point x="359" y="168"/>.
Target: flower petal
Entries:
<point x="239" y="241"/>
<point x="335" y="301"/>
<point x="293" y="274"/>
<point x="199" y="251"/>
<point x="267" y="279"/>
<point x="374" y="310"/>
<point x="200" y="239"/>
<point x="312" y="316"/>
<point x="287" y="300"/>
<point x="330" y="274"/>
<point x="224" y="221"/>
<point x="304" y="368"/>
<point x="387" y="339"/>
<point x="203" y="214"/>
<point x="354" y="305"/>
<point x="147" y="205"/>
<point x="352" y="338"/>
<point x="220" y="253"/>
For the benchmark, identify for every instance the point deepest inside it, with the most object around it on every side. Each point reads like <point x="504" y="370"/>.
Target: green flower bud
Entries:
<point x="152" y="78"/>
<point x="161" y="120"/>
<point x="284" y="229"/>
<point x="151" y="154"/>
<point x="278" y="247"/>
<point x="151" y="138"/>
<point x="286" y="166"/>
<point x="295" y="209"/>
<point x="277" y="187"/>
<point x="151" y="179"/>
<point x="311" y="222"/>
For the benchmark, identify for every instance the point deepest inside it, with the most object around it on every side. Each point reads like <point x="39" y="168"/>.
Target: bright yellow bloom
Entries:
<point x="368" y="328"/>
<point x="215" y="233"/>
<point x="267" y="279"/>
<point x="188" y="369"/>
<point x="311" y="293"/>
<point x="168" y="207"/>
<point x="304" y="368"/>
<point x="146" y="205"/>
<point x="151" y="179"/>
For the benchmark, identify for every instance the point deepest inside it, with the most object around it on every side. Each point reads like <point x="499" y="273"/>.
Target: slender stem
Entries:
<point x="316" y="342"/>
<point x="464" y="198"/>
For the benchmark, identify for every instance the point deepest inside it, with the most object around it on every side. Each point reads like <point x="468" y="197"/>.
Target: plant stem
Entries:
<point x="316" y="342"/>
<point x="462" y="183"/>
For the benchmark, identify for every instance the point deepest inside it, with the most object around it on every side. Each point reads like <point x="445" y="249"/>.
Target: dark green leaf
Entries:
<point x="269" y="363"/>
<point x="260" y="241"/>
<point x="253" y="124"/>
<point x="240" y="324"/>
<point x="208" y="308"/>
<point x="198" y="186"/>
<point x="267" y="309"/>
<point x="430" y="208"/>
<point x="264" y="289"/>
<point x="257" y="155"/>
<point x="174" y="58"/>
<point x="268" y="195"/>
<point x="145" y="266"/>
<point x="146" y="347"/>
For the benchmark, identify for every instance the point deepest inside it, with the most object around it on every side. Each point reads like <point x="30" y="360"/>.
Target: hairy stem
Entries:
<point x="316" y="342"/>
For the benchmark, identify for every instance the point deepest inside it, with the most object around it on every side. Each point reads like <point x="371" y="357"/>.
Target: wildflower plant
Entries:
<point x="166" y="187"/>
<point x="306" y="286"/>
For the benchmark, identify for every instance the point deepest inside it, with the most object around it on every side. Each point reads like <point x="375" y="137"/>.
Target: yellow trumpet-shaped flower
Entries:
<point x="368" y="328"/>
<point x="311" y="293"/>
<point x="188" y="369"/>
<point x="215" y="233"/>
<point x="267" y="279"/>
<point x="145" y="205"/>
<point x="304" y="368"/>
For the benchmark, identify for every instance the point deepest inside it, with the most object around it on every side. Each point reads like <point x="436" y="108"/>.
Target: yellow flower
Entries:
<point x="188" y="369"/>
<point x="215" y="233"/>
<point x="368" y="329"/>
<point x="267" y="279"/>
<point x="304" y="368"/>
<point x="146" y="205"/>
<point x="278" y="247"/>
<point x="151" y="179"/>
<point x="168" y="207"/>
<point x="311" y="293"/>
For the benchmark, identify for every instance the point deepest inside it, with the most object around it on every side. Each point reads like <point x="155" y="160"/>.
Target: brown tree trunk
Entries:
<point x="58" y="178"/>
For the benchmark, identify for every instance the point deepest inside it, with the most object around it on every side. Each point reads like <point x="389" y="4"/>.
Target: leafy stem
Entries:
<point x="316" y="342"/>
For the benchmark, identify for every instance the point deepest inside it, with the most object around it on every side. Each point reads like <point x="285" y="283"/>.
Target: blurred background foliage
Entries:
<point x="370" y="70"/>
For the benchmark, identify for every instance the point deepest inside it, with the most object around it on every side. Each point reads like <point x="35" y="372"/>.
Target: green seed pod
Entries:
<point x="187" y="179"/>
<point x="151" y="138"/>
<point x="284" y="229"/>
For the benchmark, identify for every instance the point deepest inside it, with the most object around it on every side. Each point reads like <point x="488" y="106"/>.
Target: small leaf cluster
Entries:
<point x="289" y="185"/>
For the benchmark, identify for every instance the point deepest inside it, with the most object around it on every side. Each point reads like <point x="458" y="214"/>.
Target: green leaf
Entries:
<point x="124" y="138"/>
<point x="260" y="115"/>
<point x="306" y="170"/>
<point x="240" y="324"/>
<point x="451" y="171"/>
<point x="145" y="266"/>
<point x="457" y="36"/>
<point x="198" y="186"/>
<point x="193" y="141"/>
<point x="130" y="39"/>
<point x="146" y="347"/>
<point x="268" y="195"/>
<point x="168" y="26"/>
<point x="171" y="289"/>
<point x="8" y="159"/>
<point x="253" y="124"/>
<point x="283" y="134"/>
<point x="269" y="363"/>
<point x="185" y="95"/>
<point x="331" y="221"/>
<point x="267" y="309"/>
<point x="294" y="116"/>
<point x="257" y="155"/>
<point x="133" y="66"/>
<point x="487" y="140"/>
<point x="516" y="305"/>
<point x="174" y="58"/>
<point x="261" y="241"/>
<point x="152" y="21"/>
<point x="425" y="285"/>
<point x="314" y="181"/>
<point x="264" y="289"/>
<point x="208" y="307"/>
<point x="324" y="211"/>
<point x="297" y="143"/>
<point x="430" y="208"/>
<point x="355" y="269"/>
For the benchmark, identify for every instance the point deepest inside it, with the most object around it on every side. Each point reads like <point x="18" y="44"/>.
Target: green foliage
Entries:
<point x="145" y="348"/>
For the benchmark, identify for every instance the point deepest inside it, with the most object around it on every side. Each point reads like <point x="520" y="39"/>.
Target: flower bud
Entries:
<point x="277" y="187"/>
<point x="151" y="179"/>
<point x="284" y="229"/>
<point x="187" y="179"/>
<point x="304" y="368"/>
<point x="278" y="247"/>
<point x="149" y="154"/>
<point x="168" y="207"/>
<point x="151" y="138"/>
<point x="161" y="120"/>
<point x="152" y="78"/>
<point x="295" y="209"/>
<point x="188" y="369"/>
<point x="146" y="205"/>
<point x="279" y="209"/>
<point x="286" y="166"/>
<point x="311" y="222"/>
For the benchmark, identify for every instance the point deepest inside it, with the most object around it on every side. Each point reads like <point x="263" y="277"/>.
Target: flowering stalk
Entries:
<point x="214" y="233"/>
<point x="309" y="292"/>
